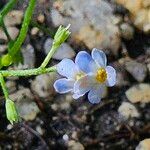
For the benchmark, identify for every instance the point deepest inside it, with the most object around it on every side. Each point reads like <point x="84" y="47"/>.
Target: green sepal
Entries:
<point x="11" y="111"/>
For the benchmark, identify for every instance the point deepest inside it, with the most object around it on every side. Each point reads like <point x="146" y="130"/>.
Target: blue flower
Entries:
<point x="98" y="75"/>
<point x="88" y="74"/>
<point x="71" y="73"/>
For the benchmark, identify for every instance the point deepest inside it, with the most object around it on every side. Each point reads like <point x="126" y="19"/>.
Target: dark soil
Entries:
<point x="97" y="127"/>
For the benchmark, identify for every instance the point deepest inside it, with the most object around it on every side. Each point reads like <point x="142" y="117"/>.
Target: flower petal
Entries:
<point x="96" y="93"/>
<point x="83" y="85"/>
<point x="67" y="68"/>
<point x="111" y="76"/>
<point x="63" y="85"/>
<point x="85" y="62"/>
<point x="99" y="57"/>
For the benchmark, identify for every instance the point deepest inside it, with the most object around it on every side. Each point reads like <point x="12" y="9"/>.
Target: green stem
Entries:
<point x="7" y="7"/>
<point x="24" y="29"/>
<point x="28" y="72"/>
<point x="5" y="30"/>
<point x="3" y="13"/>
<point x="4" y="88"/>
<point x="49" y="56"/>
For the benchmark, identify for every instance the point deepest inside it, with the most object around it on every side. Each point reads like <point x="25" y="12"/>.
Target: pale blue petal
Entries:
<point x="96" y="94"/>
<point x="99" y="57"/>
<point x="111" y="76"/>
<point x="83" y="85"/>
<point x="85" y="62"/>
<point x="63" y="85"/>
<point x="67" y="68"/>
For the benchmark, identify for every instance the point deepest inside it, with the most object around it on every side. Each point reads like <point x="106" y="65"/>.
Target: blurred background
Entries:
<point x="121" y="28"/>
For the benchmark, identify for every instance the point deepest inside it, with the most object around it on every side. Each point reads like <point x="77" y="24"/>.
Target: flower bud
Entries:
<point x="11" y="111"/>
<point x="6" y="60"/>
<point x="61" y="35"/>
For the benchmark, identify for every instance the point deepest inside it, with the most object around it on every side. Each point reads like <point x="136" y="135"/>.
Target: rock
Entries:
<point x="64" y="51"/>
<point x="95" y="27"/>
<point x="128" y="110"/>
<point x="127" y="31"/>
<point x="34" y="31"/>
<point x="3" y="48"/>
<point x="42" y="85"/>
<point x="65" y="137"/>
<point x="137" y="70"/>
<point x="41" y="18"/>
<point x="11" y="85"/>
<point x="139" y="13"/>
<point x="73" y="145"/>
<point x="139" y="93"/>
<point x="13" y="32"/>
<point x="27" y="108"/>
<point x="63" y="103"/>
<point x="144" y="145"/>
<point x="28" y="56"/>
<point x="39" y="130"/>
<point x="13" y="18"/>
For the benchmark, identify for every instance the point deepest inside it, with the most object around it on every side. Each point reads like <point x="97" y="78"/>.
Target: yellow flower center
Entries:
<point x="101" y="75"/>
<point x="79" y="75"/>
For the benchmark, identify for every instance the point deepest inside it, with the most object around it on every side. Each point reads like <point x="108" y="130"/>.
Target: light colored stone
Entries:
<point x="3" y="48"/>
<point x="139" y="93"/>
<point x="128" y="110"/>
<point x="137" y="70"/>
<point x="144" y="145"/>
<point x="127" y="31"/>
<point x="42" y="85"/>
<point x="27" y="108"/>
<point x="13" y="18"/>
<point x="11" y="85"/>
<point x="73" y="145"/>
<point x="64" y="51"/>
<point x="13" y="32"/>
<point x="28" y="56"/>
<point x="139" y="13"/>
<point x="41" y="18"/>
<point x="91" y="22"/>
<point x="34" y="31"/>
<point x="39" y="130"/>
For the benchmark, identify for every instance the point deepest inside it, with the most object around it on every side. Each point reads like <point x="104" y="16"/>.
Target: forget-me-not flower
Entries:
<point x="71" y="73"/>
<point x="98" y="75"/>
<point x="87" y="74"/>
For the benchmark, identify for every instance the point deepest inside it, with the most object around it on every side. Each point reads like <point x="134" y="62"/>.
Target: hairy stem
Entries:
<point x="28" y="72"/>
<point x="3" y="85"/>
<point x="24" y="29"/>
<point x="49" y="56"/>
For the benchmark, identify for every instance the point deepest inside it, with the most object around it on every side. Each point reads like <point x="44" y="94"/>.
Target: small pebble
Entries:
<point x="41" y="18"/>
<point x="73" y="145"/>
<point x="144" y="145"/>
<point x="128" y="110"/>
<point x="34" y="31"/>
<point x="65" y="137"/>
<point x="127" y="31"/>
<point x="139" y="93"/>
